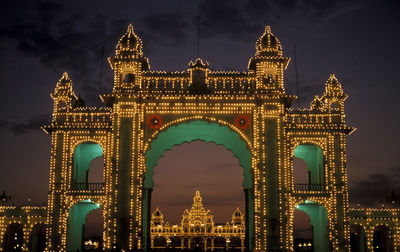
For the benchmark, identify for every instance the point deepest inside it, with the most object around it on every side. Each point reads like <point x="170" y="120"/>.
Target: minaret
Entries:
<point x="128" y="63"/>
<point x="269" y="63"/>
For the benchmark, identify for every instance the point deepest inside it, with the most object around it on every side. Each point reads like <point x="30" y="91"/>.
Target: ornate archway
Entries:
<point x="208" y="131"/>
<point x="247" y="112"/>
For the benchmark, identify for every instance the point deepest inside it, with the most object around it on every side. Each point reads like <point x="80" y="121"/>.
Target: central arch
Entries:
<point x="207" y="131"/>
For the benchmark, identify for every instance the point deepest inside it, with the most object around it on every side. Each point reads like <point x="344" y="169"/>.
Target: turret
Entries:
<point x="157" y="218"/>
<point x="268" y="62"/>
<point x="128" y="63"/>
<point x="63" y="95"/>
<point x="333" y="97"/>
<point x="237" y="217"/>
<point x="332" y="101"/>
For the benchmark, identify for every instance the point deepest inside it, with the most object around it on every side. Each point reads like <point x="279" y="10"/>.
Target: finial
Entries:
<point x="130" y="28"/>
<point x="268" y="29"/>
<point x="332" y="79"/>
<point x="65" y="75"/>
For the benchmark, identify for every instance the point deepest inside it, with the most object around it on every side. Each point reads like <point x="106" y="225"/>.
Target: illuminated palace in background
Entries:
<point x="149" y="112"/>
<point x="198" y="229"/>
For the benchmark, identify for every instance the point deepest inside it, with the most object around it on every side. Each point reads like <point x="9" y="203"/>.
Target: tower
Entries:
<point x="63" y="96"/>
<point x="128" y="63"/>
<point x="269" y="63"/>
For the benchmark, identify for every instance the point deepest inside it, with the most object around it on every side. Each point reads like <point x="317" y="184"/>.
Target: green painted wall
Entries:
<point x="56" y="237"/>
<point x="124" y="176"/>
<point x="314" y="159"/>
<point x="319" y="221"/>
<point x="76" y="220"/>
<point x="208" y="132"/>
<point x="272" y="201"/>
<point x="84" y="154"/>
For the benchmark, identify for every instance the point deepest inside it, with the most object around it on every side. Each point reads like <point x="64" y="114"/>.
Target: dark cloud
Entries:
<point x="65" y="39"/>
<point x="224" y="19"/>
<point x="34" y="123"/>
<point x="242" y="20"/>
<point x="376" y="189"/>
<point x="165" y="29"/>
<point x="62" y="41"/>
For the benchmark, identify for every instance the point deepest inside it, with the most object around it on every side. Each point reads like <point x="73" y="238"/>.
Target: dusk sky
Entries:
<point x="357" y="40"/>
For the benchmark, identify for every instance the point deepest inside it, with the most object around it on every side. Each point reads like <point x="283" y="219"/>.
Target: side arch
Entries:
<point x="84" y="153"/>
<point x="320" y="222"/>
<point x="37" y="241"/>
<point x="313" y="156"/>
<point x="76" y="220"/>
<point x="13" y="237"/>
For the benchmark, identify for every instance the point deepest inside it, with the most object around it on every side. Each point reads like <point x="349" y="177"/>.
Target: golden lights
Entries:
<point x="267" y="124"/>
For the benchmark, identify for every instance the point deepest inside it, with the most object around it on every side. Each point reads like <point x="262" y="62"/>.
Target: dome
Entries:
<point x="129" y="43"/>
<point x="268" y="44"/>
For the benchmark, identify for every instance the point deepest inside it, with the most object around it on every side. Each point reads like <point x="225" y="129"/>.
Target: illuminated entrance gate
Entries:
<point x="149" y="112"/>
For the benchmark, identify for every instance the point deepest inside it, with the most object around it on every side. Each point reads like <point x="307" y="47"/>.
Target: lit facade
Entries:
<point x="247" y="112"/>
<point x="197" y="229"/>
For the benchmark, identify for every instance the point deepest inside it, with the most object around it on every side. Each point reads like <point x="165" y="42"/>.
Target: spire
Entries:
<point x="237" y="217"/>
<point x="333" y="88"/>
<point x="197" y="203"/>
<point x="63" y="88"/>
<point x="130" y="28"/>
<point x="129" y="45"/>
<point x="127" y="50"/>
<point x="63" y="95"/>
<point x="197" y="198"/>
<point x="157" y="217"/>
<point x="268" y="49"/>
<point x="333" y="97"/>
<point x="268" y="44"/>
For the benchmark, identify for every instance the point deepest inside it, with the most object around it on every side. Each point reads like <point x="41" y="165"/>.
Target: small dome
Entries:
<point x="129" y="42"/>
<point x="268" y="44"/>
